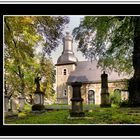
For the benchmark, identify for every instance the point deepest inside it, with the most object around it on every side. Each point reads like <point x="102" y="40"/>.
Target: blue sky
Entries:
<point x="74" y="22"/>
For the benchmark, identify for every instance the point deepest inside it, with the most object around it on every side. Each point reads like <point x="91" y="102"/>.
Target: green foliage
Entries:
<point x="22" y="115"/>
<point x="27" y="108"/>
<point x="124" y="103"/>
<point x="97" y="116"/>
<point x="109" y="39"/>
<point x="22" y="35"/>
<point x="47" y="73"/>
<point x="51" y="28"/>
<point x="116" y="97"/>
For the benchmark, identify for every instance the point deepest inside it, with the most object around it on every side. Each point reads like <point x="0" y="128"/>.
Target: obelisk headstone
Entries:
<point x="105" y="101"/>
<point x="77" y="106"/>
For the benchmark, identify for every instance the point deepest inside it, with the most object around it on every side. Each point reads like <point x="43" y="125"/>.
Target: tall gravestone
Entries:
<point x="6" y="103"/>
<point x="77" y="106"/>
<point x="105" y="100"/>
<point x="39" y="97"/>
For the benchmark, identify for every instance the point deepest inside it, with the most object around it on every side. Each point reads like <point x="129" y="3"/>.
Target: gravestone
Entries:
<point x="39" y="97"/>
<point x="6" y="103"/>
<point x="105" y="101"/>
<point x="77" y="106"/>
<point x="13" y="104"/>
<point x="21" y="103"/>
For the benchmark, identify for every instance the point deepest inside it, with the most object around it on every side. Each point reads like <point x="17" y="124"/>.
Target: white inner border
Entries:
<point x="64" y="137"/>
<point x="70" y="2"/>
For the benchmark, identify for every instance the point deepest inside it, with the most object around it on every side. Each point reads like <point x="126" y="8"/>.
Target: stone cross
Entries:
<point x="37" y="79"/>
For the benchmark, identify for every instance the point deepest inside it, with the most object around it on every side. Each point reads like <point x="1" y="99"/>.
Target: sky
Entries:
<point x="74" y="22"/>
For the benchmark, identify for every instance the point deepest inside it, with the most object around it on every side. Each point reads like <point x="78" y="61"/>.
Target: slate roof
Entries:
<point x="87" y="72"/>
<point x="67" y="58"/>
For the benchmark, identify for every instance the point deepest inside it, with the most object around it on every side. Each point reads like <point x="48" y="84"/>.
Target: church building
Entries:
<point x="69" y="69"/>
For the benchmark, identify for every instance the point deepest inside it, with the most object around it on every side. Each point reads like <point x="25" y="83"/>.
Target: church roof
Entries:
<point x="67" y="58"/>
<point x="87" y="72"/>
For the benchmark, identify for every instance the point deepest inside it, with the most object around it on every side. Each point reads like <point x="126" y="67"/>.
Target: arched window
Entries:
<point x="91" y="97"/>
<point x="65" y="72"/>
<point x="65" y="92"/>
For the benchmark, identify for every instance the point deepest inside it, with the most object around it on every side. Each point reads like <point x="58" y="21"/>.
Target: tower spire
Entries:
<point x="67" y="29"/>
<point x="67" y="54"/>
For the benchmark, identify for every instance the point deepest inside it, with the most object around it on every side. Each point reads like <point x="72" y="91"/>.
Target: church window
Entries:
<point x="65" y="92"/>
<point x="65" y="71"/>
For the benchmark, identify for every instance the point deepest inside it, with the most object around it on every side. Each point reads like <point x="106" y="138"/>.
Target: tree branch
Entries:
<point x="16" y="72"/>
<point x="8" y="27"/>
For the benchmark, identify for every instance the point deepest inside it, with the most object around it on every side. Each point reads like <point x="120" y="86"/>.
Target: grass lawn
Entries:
<point x="96" y="115"/>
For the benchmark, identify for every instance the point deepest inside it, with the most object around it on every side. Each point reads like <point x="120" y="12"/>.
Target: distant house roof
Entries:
<point x="87" y="72"/>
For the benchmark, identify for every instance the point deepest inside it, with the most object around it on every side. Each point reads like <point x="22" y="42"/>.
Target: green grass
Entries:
<point x="97" y="115"/>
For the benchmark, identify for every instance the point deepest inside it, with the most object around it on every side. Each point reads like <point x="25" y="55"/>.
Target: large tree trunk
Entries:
<point x="134" y="84"/>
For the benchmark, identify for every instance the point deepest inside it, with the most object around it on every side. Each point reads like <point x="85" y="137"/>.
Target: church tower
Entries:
<point x="66" y="63"/>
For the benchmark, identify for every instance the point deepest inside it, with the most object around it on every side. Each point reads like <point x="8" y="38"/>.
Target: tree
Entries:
<point x="51" y="28"/>
<point x="115" y="42"/>
<point x="46" y="70"/>
<point x="21" y="36"/>
<point x="19" y="46"/>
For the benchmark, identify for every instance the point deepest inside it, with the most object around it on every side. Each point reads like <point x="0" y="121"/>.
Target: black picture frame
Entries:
<point x="66" y="9"/>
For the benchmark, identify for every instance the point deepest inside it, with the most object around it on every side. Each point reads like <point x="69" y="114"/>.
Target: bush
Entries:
<point x="27" y="108"/>
<point x="38" y="107"/>
<point x="116" y="97"/>
<point x="22" y="115"/>
<point x="124" y="103"/>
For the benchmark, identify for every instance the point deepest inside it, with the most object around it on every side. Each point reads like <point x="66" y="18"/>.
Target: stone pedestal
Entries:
<point x="6" y="103"/>
<point x="105" y="100"/>
<point x="38" y="101"/>
<point x="77" y="106"/>
<point x="21" y="103"/>
<point x="13" y="106"/>
<point x="39" y="98"/>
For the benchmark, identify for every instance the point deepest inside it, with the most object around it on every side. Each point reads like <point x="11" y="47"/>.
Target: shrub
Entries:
<point x="116" y="97"/>
<point x="27" y="108"/>
<point x="124" y="103"/>
<point x="22" y="115"/>
<point x="38" y="107"/>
